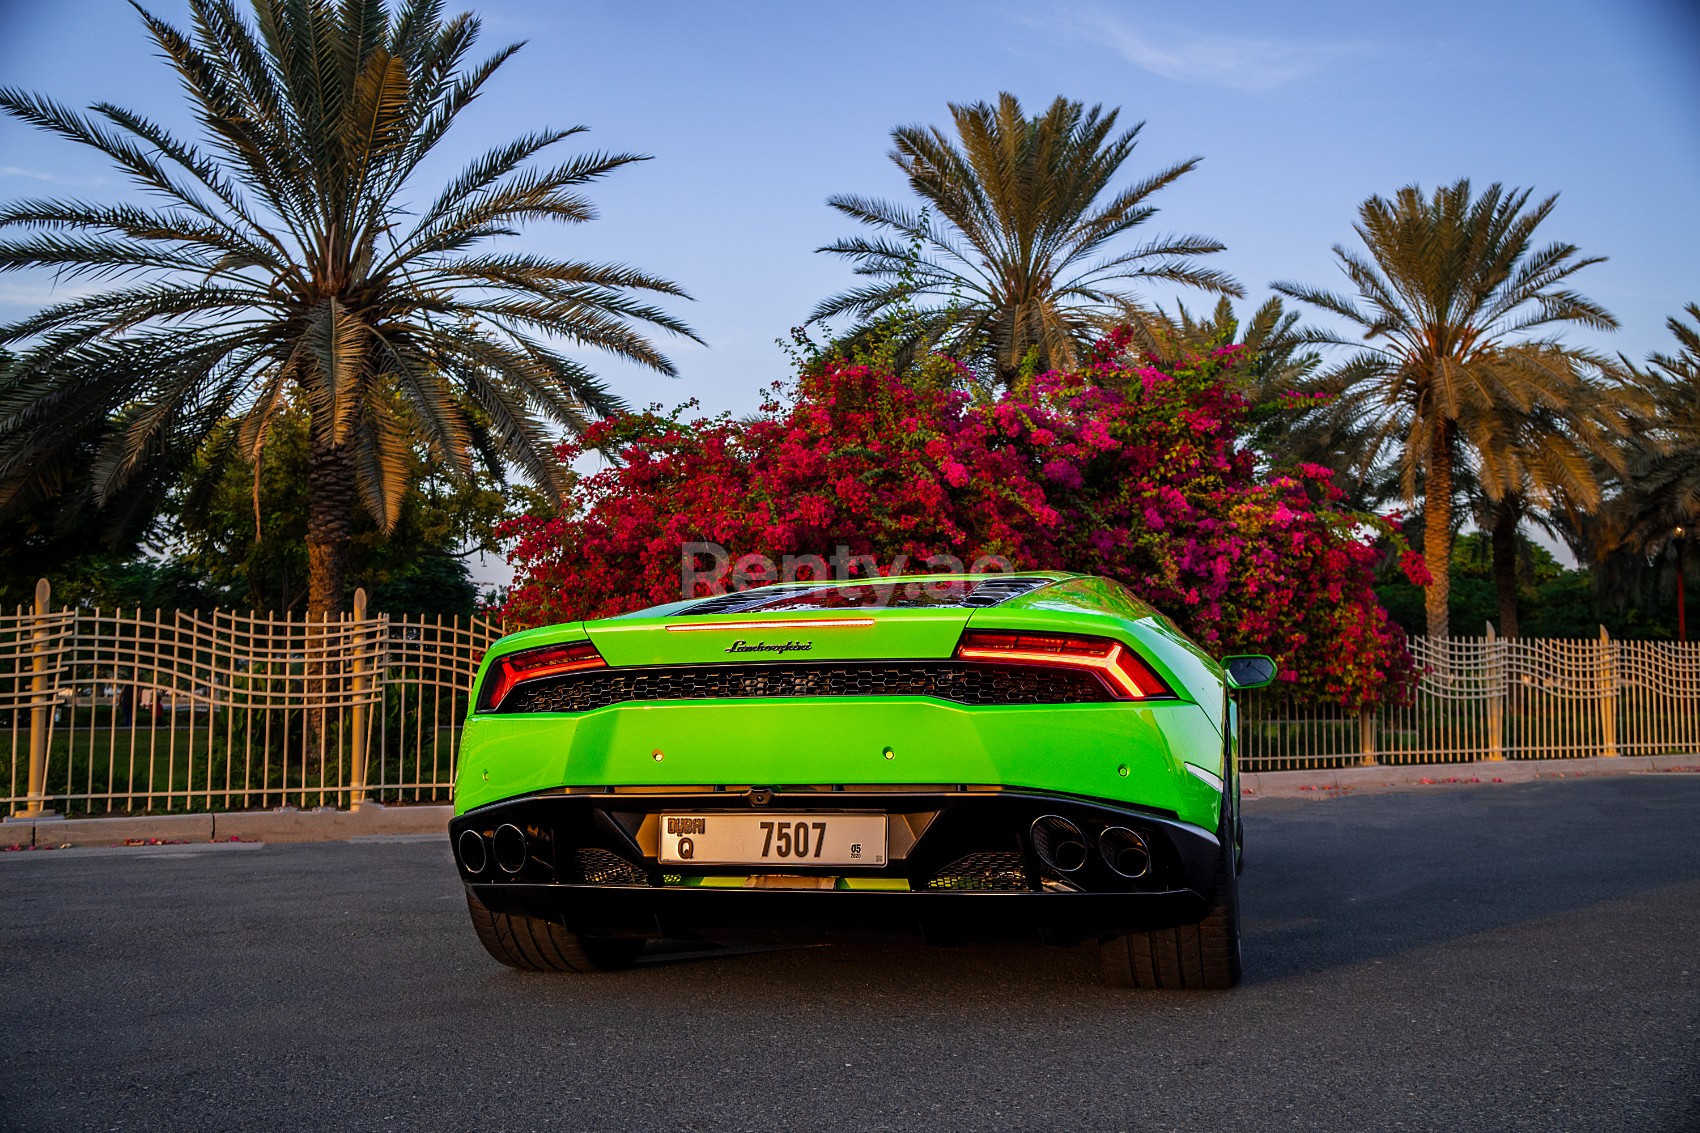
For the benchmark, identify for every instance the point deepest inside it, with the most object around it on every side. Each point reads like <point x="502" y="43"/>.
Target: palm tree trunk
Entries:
<point x="1437" y="530"/>
<point x="1504" y="537"/>
<point x="330" y="516"/>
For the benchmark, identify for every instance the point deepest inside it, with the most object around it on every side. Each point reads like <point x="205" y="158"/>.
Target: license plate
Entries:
<point x="773" y="839"/>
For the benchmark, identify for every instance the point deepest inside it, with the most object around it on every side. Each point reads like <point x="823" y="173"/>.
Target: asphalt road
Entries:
<point x="1496" y="957"/>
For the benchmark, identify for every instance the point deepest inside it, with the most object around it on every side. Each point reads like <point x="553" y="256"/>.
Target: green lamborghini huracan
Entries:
<point x="971" y="757"/>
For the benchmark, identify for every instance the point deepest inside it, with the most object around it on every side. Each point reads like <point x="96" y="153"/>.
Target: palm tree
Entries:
<point x="1547" y="469"/>
<point x="1664" y="476"/>
<point x="285" y="264"/>
<point x="1446" y="304"/>
<point x="1658" y="510"/>
<point x="1011" y="259"/>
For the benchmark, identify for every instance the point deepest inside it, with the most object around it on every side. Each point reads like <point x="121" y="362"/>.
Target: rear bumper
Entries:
<point x="590" y="863"/>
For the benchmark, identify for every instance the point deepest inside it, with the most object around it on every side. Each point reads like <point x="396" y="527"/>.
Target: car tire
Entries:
<point x="533" y="944"/>
<point x="1205" y="955"/>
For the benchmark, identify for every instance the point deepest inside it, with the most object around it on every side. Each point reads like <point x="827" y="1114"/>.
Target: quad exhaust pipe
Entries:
<point x="511" y="848"/>
<point x="1125" y="852"/>
<point x="474" y="853"/>
<point x="1058" y="843"/>
<point x="1061" y="846"/>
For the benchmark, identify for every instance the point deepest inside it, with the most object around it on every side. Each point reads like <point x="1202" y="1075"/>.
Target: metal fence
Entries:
<point x="1497" y="698"/>
<point x="113" y="712"/>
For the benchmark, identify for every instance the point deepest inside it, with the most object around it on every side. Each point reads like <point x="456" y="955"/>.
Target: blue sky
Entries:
<point x="756" y="112"/>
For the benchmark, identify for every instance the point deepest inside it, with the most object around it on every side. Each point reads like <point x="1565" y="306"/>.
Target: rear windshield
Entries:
<point x="897" y="594"/>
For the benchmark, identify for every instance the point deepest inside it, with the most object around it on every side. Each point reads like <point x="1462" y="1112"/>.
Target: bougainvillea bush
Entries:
<point x="1126" y="469"/>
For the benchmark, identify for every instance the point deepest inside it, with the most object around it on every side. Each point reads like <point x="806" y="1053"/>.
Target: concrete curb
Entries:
<point x="109" y="831"/>
<point x="1333" y="783"/>
<point x="328" y="825"/>
<point x="285" y="824"/>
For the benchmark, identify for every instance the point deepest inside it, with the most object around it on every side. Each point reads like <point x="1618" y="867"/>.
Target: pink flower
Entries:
<point x="1131" y="468"/>
<point x="1062" y="472"/>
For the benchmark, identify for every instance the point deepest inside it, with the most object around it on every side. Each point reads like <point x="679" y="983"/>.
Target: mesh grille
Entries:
<point x="995" y="590"/>
<point x="603" y="867"/>
<point x="982" y="871"/>
<point x="964" y="683"/>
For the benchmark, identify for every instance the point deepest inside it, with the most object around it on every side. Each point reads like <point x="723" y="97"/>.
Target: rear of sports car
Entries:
<point x="968" y="757"/>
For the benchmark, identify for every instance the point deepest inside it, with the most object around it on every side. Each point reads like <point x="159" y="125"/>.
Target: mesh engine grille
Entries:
<point x="982" y="871"/>
<point x="963" y="683"/>
<point x="996" y="590"/>
<point x="603" y="867"/>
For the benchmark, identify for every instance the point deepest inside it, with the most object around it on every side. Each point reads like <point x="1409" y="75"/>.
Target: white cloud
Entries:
<point x="1251" y="63"/>
<point x="49" y="178"/>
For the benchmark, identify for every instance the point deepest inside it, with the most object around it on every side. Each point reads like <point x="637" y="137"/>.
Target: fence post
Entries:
<point x="1606" y="682"/>
<point x="1366" y="736"/>
<point x="1494" y="685"/>
<point x="357" y="786"/>
<point x="35" y="805"/>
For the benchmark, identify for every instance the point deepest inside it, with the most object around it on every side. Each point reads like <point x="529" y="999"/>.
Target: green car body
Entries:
<point x="574" y="766"/>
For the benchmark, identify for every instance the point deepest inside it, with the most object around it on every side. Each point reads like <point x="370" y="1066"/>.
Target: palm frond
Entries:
<point x="284" y="262"/>
<point x="1448" y="289"/>
<point x="1020" y="204"/>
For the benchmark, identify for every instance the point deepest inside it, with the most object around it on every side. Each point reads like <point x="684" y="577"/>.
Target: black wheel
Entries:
<point x="1204" y="955"/>
<point x="532" y="944"/>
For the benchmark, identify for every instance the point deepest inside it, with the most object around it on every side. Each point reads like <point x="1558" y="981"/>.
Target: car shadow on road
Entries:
<point x="1347" y="881"/>
<point x="1343" y="883"/>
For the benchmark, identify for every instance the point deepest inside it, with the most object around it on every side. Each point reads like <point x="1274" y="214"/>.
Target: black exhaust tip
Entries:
<point x="1124" y="851"/>
<point x="1058" y="842"/>
<point x="474" y="854"/>
<point x="511" y="848"/>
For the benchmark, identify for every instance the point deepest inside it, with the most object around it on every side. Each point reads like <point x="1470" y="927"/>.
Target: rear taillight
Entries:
<point x="532" y="664"/>
<point x="1122" y="670"/>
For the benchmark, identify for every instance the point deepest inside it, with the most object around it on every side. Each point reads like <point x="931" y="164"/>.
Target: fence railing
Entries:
<point x="1496" y="698"/>
<point x="111" y="712"/>
<point x="115" y="711"/>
